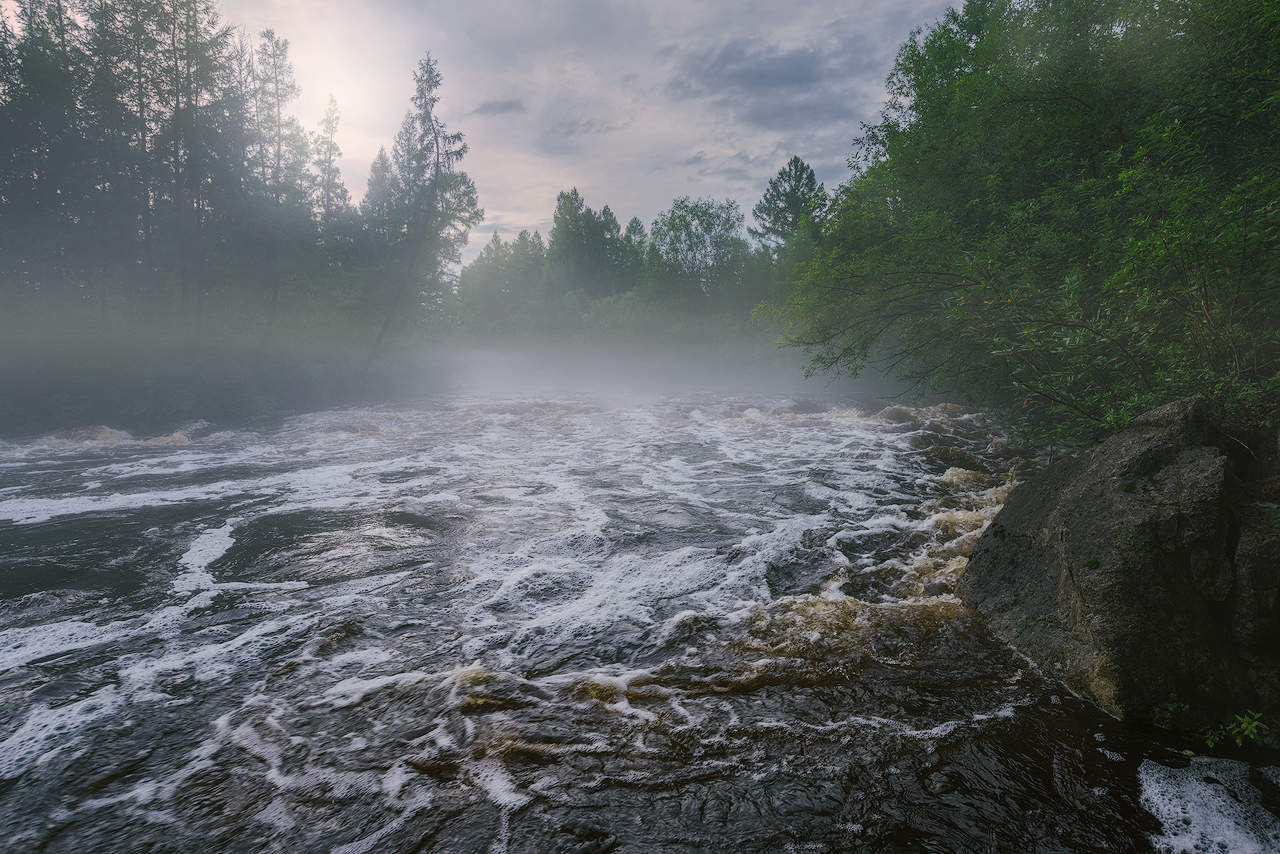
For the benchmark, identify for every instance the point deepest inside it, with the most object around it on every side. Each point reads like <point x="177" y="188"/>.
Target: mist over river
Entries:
<point x="528" y="621"/>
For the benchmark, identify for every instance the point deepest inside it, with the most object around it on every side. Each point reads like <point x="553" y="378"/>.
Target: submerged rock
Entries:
<point x="898" y="415"/>
<point x="954" y="457"/>
<point x="1145" y="572"/>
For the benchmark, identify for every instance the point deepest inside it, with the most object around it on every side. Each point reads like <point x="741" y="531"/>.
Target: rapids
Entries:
<point x="536" y="624"/>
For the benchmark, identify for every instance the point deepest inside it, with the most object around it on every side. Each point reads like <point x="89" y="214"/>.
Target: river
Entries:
<point x="535" y="623"/>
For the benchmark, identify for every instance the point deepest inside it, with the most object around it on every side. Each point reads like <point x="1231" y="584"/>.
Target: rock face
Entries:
<point x="1146" y="572"/>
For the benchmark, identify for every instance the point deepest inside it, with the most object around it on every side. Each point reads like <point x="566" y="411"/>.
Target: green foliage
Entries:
<point x="793" y="200"/>
<point x="699" y="247"/>
<point x="588" y="251"/>
<point x="426" y="208"/>
<point x="1067" y="209"/>
<point x="331" y="198"/>
<point x="503" y="288"/>
<point x="693" y="268"/>
<point x="152" y="174"/>
<point x="1246" y="727"/>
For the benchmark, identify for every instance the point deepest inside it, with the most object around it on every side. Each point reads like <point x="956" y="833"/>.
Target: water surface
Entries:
<point x="545" y="624"/>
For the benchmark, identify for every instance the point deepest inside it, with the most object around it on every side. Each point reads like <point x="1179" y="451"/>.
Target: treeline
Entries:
<point x="1069" y="209"/>
<point x="151" y="172"/>
<point x="153" y="175"/>
<point x="693" y="266"/>
<point x="175" y="245"/>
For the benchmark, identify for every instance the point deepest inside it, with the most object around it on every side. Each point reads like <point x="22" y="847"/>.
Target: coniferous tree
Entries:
<point x="528" y="260"/>
<point x="379" y="201"/>
<point x="107" y="127"/>
<point x="485" y="285"/>
<point x="634" y="245"/>
<point x="332" y="197"/>
<point x="567" y="250"/>
<point x="586" y="251"/>
<point x="607" y="250"/>
<point x="502" y="287"/>
<point x="792" y="198"/>
<point x="150" y="166"/>
<point x="284" y="154"/>
<point x="141" y="45"/>
<point x="431" y="204"/>
<point x="44" y="171"/>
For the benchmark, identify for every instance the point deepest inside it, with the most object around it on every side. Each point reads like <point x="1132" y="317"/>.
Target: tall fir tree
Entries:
<point x="792" y="199"/>
<point x="332" y="198"/>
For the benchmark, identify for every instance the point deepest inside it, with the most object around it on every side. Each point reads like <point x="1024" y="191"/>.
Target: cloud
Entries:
<point x="833" y="77"/>
<point x="633" y="103"/>
<point x="568" y="121"/>
<point x="499" y="107"/>
<point x="740" y="170"/>
<point x="746" y="65"/>
<point x="584" y="126"/>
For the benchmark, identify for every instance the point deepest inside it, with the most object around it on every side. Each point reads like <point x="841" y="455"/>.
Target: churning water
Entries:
<point x="546" y="625"/>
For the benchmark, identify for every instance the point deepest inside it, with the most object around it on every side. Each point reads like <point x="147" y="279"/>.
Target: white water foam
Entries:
<point x="44" y="726"/>
<point x="492" y="777"/>
<point x="1208" y="807"/>
<point x="206" y="548"/>
<point x="351" y="692"/>
<point x="18" y="646"/>
<point x="566" y="526"/>
<point x="31" y="511"/>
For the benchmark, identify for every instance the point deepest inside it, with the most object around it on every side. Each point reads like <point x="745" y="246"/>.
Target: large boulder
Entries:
<point x="1145" y="573"/>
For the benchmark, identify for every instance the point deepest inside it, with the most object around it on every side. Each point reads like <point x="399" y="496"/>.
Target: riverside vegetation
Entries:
<point x="1066" y="212"/>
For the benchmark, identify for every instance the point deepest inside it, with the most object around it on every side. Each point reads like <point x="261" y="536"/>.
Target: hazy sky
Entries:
<point x="633" y="103"/>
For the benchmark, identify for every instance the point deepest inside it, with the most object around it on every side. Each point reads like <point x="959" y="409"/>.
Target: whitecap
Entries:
<point x="1207" y="807"/>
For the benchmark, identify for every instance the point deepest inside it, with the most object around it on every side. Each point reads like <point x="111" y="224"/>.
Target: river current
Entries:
<point x="528" y="623"/>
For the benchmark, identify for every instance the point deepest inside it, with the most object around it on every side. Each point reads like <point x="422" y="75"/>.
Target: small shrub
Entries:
<point x="1246" y="727"/>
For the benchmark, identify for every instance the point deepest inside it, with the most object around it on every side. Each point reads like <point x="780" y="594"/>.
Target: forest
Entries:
<point x="166" y="223"/>
<point x="1066" y="212"/>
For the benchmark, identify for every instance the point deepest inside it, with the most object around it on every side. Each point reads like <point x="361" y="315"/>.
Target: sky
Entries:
<point x="633" y="103"/>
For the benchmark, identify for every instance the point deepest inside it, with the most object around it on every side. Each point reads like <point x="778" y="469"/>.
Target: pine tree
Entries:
<point x="379" y="200"/>
<point x="283" y="155"/>
<point x="586" y="251"/>
<point x="43" y="176"/>
<point x="792" y="198"/>
<point x="332" y="197"/>
<point x="436" y="202"/>
<point x="634" y="245"/>
<point x="139" y="72"/>
<point x="432" y="204"/>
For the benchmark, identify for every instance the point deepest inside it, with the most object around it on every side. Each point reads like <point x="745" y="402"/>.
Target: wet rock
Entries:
<point x="949" y="410"/>
<point x="898" y="415"/>
<point x="939" y="587"/>
<point x="954" y="457"/>
<point x="960" y="478"/>
<point x="1143" y="572"/>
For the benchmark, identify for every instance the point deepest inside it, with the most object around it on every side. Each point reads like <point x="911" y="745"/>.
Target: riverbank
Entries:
<point x="1145" y="573"/>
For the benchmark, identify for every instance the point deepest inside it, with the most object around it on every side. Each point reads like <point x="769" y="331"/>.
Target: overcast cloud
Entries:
<point x="631" y="103"/>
